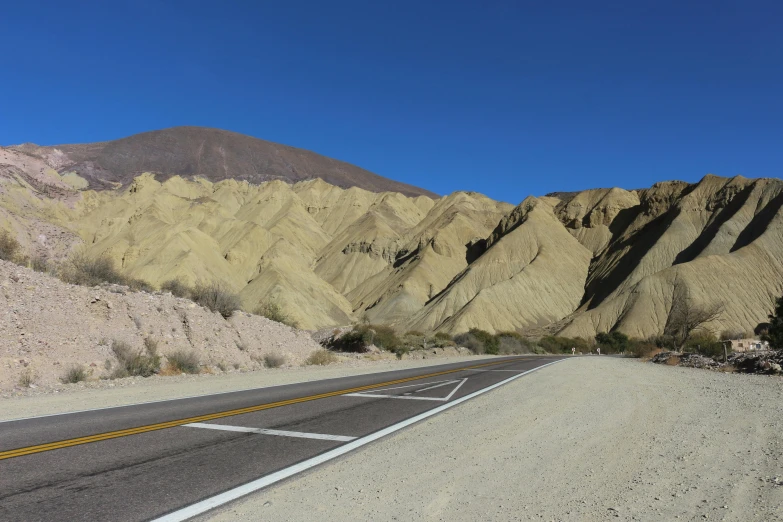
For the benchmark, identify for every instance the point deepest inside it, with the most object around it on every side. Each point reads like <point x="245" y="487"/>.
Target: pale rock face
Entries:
<point x="574" y="264"/>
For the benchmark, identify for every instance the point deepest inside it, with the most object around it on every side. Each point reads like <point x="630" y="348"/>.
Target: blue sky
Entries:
<point x="504" y="98"/>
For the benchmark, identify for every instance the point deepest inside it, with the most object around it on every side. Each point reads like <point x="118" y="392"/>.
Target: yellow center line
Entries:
<point x="39" y="448"/>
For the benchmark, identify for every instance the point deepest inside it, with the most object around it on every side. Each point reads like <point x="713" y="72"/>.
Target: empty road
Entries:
<point x="175" y="459"/>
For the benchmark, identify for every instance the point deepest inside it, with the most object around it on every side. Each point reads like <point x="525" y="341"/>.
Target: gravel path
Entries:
<point x="588" y="439"/>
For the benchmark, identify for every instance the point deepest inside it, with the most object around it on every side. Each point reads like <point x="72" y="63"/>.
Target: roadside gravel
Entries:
<point x="587" y="439"/>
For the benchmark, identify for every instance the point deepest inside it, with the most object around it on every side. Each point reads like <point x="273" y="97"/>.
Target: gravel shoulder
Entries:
<point x="121" y="392"/>
<point x="588" y="439"/>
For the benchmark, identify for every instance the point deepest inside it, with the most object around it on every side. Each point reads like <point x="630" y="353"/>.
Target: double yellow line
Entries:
<point x="29" y="450"/>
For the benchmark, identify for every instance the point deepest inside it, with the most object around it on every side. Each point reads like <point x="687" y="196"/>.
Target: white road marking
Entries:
<point x="233" y="494"/>
<point x="410" y="397"/>
<point x="263" y="431"/>
<point x="513" y="371"/>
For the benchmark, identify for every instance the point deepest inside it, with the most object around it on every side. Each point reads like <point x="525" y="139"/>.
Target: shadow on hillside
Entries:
<point x="758" y="225"/>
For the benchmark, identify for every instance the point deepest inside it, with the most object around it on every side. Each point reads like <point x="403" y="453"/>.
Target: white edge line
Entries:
<point x="266" y="431"/>
<point x="242" y="390"/>
<point x="245" y="489"/>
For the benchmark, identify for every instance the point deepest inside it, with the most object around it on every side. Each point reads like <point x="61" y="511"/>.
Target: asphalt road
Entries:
<point x="145" y="461"/>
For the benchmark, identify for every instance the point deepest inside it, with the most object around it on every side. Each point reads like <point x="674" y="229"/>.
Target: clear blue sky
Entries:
<point x="505" y="98"/>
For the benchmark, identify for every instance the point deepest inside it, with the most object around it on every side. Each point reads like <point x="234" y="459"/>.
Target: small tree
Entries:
<point x="9" y="246"/>
<point x="686" y="317"/>
<point x="774" y="334"/>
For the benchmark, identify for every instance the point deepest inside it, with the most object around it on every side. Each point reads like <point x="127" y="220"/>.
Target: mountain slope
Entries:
<point x="213" y="154"/>
<point x="570" y="263"/>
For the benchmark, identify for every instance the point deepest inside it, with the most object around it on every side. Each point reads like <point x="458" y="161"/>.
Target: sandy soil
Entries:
<point x="586" y="439"/>
<point x="106" y="394"/>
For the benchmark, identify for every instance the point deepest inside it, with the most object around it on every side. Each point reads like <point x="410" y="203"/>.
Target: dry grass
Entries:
<point x="134" y="363"/>
<point x="74" y="374"/>
<point x="321" y="358"/>
<point x="217" y="298"/>
<point x="673" y="361"/>
<point x="27" y="378"/>
<point x="274" y="312"/>
<point x="182" y="361"/>
<point x="273" y="360"/>
<point x="9" y="246"/>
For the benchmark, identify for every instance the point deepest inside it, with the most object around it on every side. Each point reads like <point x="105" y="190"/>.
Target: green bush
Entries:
<point x="363" y="336"/>
<point x="443" y="336"/>
<point x="133" y="363"/>
<point x="490" y="342"/>
<point x="274" y="312"/>
<point x="612" y="342"/>
<point x="184" y="362"/>
<point x="556" y="344"/>
<point x="774" y="332"/>
<point x="704" y="343"/>
<point x="9" y="246"/>
<point x="176" y="287"/>
<point x="216" y="297"/>
<point x="511" y="343"/>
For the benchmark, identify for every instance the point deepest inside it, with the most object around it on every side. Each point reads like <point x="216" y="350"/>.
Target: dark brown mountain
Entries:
<point x="210" y="153"/>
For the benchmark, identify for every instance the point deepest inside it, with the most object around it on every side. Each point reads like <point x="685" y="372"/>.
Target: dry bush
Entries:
<point x="81" y="269"/>
<point x="74" y="374"/>
<point x="467" y="340"/>
<point x="216" y="297"/>
<point x="642" y="350"/>
<point x="273" y="360"/>
<point x="9" y="246"/>
<point x="686" y="317"/>
<point x="673" y="361"/>
<point x="27" y="378"/>
<point x="443" y="336"/>
<point x="321" y="358"/>
<point x="184" y="361"/>
<point x="39" y="263"/>
<point x="133" y="363"/>
<point x="176" y="287"/>
<point x="274" y="312"/>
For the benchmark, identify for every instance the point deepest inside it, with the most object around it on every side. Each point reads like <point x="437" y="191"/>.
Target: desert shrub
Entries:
<point x="511" y="343"/>
<point x="81" y="269"/>
<point x="557" y="344"/>
<point x="443" y="336"/>
<point x="415" y="333"/>
<point x="273" y="360"/>
<point x="385" y="337"/>
<point x="136" y="363"/>
<point x="184" y="361"/>
<point x="139" y="285"/>
<point x="362" y="336"/>
<point x="664" y="342"/>
<point x="27" y="378"/>
<point x="75" y="373"/>
<point x="216" y="297"/>
<point x="274" y="312"/>
<point x="704" y="343"/>
<point x="321" y="358"/>
<point x="9" y="246"/>
<point x="469" y="341"/>
<point x="612" y="342"/>
<point x="774" y="331"/>
<point x="176" y="287"/>
<point x="490" y="342"/>
<point x="355" y="341"/>
<point x="641" y="349"/>
<point x="39" y="263"/>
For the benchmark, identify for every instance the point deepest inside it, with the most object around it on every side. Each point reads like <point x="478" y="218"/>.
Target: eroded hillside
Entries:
<point x="576" y="263"/>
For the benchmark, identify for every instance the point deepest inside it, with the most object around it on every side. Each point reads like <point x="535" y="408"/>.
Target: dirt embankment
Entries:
<point x="587" y="439"/>
<point x="46" y="326"/>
